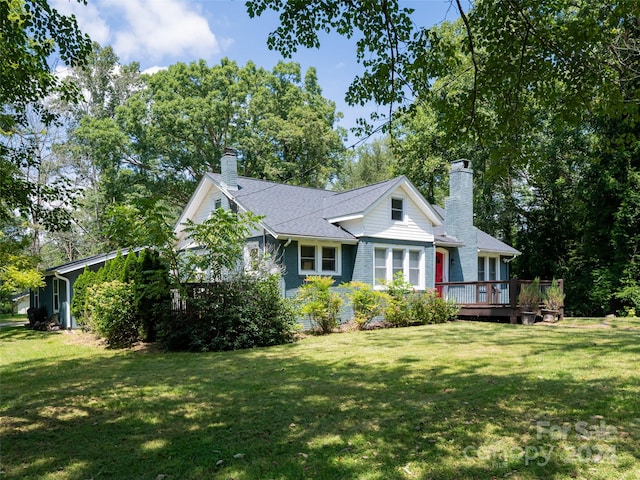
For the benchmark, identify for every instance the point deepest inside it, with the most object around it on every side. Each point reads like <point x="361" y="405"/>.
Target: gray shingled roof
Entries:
<point x="302" y="211"/>
<point x="288" y="209"/>
<point x="486" y="242"/>
<point x="88" y="261"/>
<point x="356" y="201"/>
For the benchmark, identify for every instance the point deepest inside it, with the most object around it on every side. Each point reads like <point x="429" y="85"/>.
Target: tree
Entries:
<point x="373" y="162"/>
<point x="543" y="97"/>
<point x="221" y="239"/>
<point x="33" y="34"/>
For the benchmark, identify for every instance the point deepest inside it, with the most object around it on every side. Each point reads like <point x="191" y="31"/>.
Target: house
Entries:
<point x="55" y="297"/>
<point x="20" y="302"/>
<point x="367" y="234"/>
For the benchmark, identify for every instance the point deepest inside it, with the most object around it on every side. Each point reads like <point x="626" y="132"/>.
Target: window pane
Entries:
<point x="398" y="257"/>
<point x="329" y="259"/>
<point x="414" y="259"/>
<point x="492" y="268"/>
<point x="414" y="268"/>
<point x="481" y="275"/>
<point x="396" y="208"/>
<point x="380" y="265"/>
<point x="307" y="257"/>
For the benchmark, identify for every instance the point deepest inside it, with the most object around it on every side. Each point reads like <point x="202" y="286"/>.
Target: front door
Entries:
<point x="439" y="272"/>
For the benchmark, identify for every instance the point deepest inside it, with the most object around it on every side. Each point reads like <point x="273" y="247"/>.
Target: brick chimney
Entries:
<point x="229" y="169"/>
<point x="459" y="222"/>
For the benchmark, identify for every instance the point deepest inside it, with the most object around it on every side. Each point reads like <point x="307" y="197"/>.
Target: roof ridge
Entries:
<point x="370" y="185"/>
<point x="273" y="182"/>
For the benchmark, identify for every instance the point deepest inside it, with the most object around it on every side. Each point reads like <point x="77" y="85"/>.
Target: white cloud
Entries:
<point x="89" y="19"/>
<point x="146" y="30"/>
<point x="154" y="69"/>
<point x="153" y="30"/>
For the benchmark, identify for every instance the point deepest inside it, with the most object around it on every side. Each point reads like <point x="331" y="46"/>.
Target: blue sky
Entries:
<point x="159" y="33"/>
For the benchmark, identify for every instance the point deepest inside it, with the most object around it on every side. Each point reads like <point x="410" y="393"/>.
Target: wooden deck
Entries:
<point x="493" y="299"/>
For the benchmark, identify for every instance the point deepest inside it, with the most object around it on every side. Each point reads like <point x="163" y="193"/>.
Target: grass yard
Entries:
<point x="461" y="400"/>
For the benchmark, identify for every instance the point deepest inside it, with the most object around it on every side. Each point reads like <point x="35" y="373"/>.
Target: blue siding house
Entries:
<point x="55" y="297"/>
<point x="368" y="234"/>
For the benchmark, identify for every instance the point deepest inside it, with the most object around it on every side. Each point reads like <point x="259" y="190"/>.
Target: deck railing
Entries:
<point x="488" y="292"/>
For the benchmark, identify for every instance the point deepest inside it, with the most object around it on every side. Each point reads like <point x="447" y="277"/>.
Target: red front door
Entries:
<point x="439" y="272"/>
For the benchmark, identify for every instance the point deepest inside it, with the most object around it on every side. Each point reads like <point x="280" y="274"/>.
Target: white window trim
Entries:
<point x="404" y="209"/>
<point x="405" y="263"/>
<point x="318" y="260"/>
<point x="36" y="297"/>
<point x="56" y="295"/>
<point x="486" y="266"/>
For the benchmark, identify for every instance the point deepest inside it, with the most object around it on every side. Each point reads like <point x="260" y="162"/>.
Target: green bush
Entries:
<point x="81" y="286"/>
<point x="630" y="298"/>
<point x="320" y="303"/>
<point x="428" y="307"/>
<point x="148" y="280"/>
<point x="243" y="312"/>
<point x="110" y="313"/>
<point x="366" y="302"/>
<point x="397" y="311"/>
<point x="414" y="308"/>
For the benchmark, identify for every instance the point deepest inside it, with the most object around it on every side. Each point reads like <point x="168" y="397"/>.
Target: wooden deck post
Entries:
<point x="513" y="300"/>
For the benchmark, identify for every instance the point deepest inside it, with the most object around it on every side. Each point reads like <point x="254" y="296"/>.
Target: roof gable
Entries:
<point x="358" y="202"/>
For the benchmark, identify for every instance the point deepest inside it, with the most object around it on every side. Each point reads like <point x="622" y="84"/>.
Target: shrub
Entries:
<point x="366" y="302"/>
<point x="553" y="296"/>
<point x="530" y="296"/>
<point x="428" y="307"/>
<point x="81" y="286"/>
<point x="111" y="313"/>
<point x="406" y="308"/>
<point x="397" y="311"/>
<point x="242" y="312"/>
<point x="320" y="303"/>
<point x="630" y="297"/>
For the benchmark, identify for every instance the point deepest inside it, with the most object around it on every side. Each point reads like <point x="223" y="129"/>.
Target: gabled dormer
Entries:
<point x="388" y="210"/>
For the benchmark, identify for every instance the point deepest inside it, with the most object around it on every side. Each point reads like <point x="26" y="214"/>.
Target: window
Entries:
<point x="56" y="295"/>
<point x="329" y="259"/>
<point x="217" y="204"/>
<point x="319" y="259"/>
<point x="488" y="268"/>
<point x="388" y="262"/>
<point x="481" y="269"/>
<point x="492" y="268"/>
<point x="254" y="258"/>
<point x="398" y="263"/>
<point x="414" y="267"/>
<point x="36" y="298"/>
<point x="307" y="258"/>
<point x="380" y="266"/>
<point x="397" y="210"/>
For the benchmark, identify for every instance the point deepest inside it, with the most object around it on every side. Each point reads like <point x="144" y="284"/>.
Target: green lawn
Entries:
<point x="456" y="401"/>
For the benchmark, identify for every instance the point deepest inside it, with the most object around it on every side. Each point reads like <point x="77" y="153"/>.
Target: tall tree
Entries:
<point x="543" y="96"/>
<point x="373" y="162"/>
<point x="33" y="35"/>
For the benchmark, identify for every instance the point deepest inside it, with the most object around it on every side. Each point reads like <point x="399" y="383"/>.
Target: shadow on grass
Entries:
<point x="287" y="412"/>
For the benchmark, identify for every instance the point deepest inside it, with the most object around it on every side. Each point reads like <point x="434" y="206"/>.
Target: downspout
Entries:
<point x="67" y="315"/>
